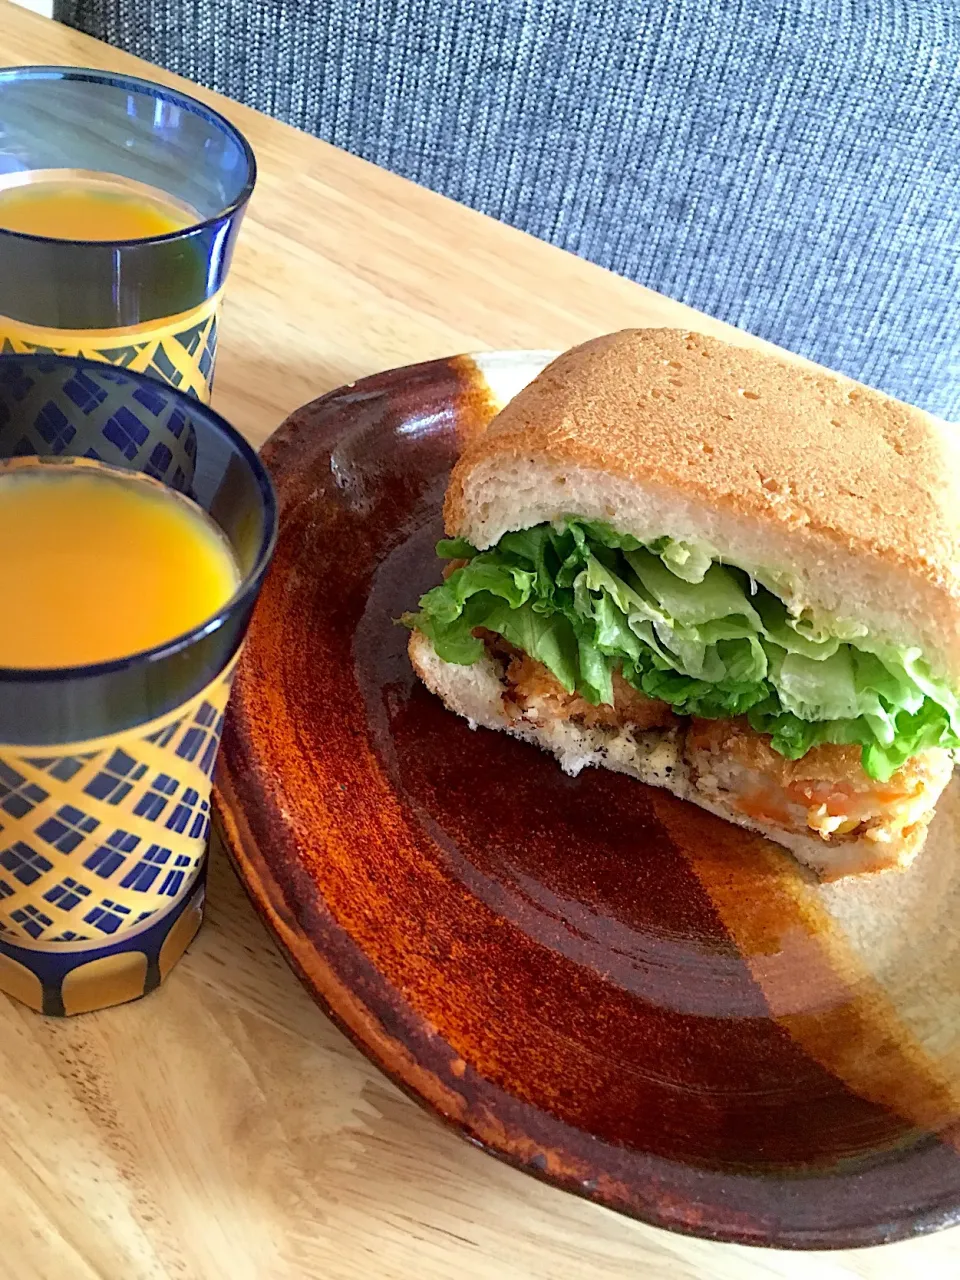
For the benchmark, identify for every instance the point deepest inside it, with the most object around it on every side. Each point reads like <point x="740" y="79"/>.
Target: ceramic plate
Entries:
<point x="606" y="987"/>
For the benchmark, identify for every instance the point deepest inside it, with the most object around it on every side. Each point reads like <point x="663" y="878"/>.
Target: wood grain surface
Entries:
<point x="222" y="1127"/>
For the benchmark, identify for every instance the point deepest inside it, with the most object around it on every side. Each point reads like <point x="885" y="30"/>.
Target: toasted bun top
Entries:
<point x="848" y="498"/>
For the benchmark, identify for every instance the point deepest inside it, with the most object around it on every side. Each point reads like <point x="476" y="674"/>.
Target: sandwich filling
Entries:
<point x="805" y="722"/>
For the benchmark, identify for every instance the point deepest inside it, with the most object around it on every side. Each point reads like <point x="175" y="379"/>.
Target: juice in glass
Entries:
<point x="78" y="207"/>
<point x="109" y="563"/>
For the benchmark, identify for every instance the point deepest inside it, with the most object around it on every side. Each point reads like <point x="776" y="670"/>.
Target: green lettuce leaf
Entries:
<point x="688" y="560"/>
<point x="456" y="549"/>
<point x="706" y="638"/>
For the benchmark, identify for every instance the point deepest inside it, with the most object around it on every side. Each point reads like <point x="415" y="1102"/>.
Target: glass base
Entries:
<point x="64" y="979"/>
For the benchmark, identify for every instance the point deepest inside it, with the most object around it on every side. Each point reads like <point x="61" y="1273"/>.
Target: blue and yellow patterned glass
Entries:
<point x="105" y="770"/>
<point x="120" y="205"/>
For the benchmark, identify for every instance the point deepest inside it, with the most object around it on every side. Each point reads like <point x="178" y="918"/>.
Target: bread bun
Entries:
<point x="840" y="499"/>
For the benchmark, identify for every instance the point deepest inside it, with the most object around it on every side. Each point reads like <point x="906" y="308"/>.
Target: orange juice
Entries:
<point x="89" y="209"/>
<point x="105" y="563"/>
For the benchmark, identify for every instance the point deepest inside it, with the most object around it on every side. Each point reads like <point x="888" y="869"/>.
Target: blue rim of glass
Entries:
<point x="249" y="586"/>
<point x="151" y="89"/>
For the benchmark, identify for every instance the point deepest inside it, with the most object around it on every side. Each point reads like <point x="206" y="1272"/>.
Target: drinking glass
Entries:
<point x="149" y="304"/>
<point x="105" y="769"/>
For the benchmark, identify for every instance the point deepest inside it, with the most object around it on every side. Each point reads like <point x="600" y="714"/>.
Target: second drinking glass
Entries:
<point x="120" y="204"/>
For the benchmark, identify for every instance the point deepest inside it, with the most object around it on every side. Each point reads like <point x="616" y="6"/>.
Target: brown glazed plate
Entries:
<point x="590" y="979"/>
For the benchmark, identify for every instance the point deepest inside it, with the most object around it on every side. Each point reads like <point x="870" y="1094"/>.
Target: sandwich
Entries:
<point x="722" y="573"/>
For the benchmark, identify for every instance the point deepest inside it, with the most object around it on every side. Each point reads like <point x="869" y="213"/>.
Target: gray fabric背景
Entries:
<point x="792" y="167"/>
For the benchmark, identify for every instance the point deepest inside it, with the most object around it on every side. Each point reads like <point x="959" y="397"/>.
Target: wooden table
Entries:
<point x="223" y="1127"/>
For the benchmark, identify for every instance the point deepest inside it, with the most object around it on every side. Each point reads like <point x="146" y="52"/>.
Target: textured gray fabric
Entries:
<point x="792" y="166"/>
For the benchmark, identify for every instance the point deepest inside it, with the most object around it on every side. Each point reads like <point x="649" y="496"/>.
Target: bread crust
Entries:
<point x="834" y="478"/>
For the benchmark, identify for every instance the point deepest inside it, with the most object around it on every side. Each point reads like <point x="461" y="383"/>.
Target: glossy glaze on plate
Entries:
<point x="607" y="987"/>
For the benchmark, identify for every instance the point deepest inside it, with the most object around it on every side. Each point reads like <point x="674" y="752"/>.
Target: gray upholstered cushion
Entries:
<point x="790" y="165"/>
